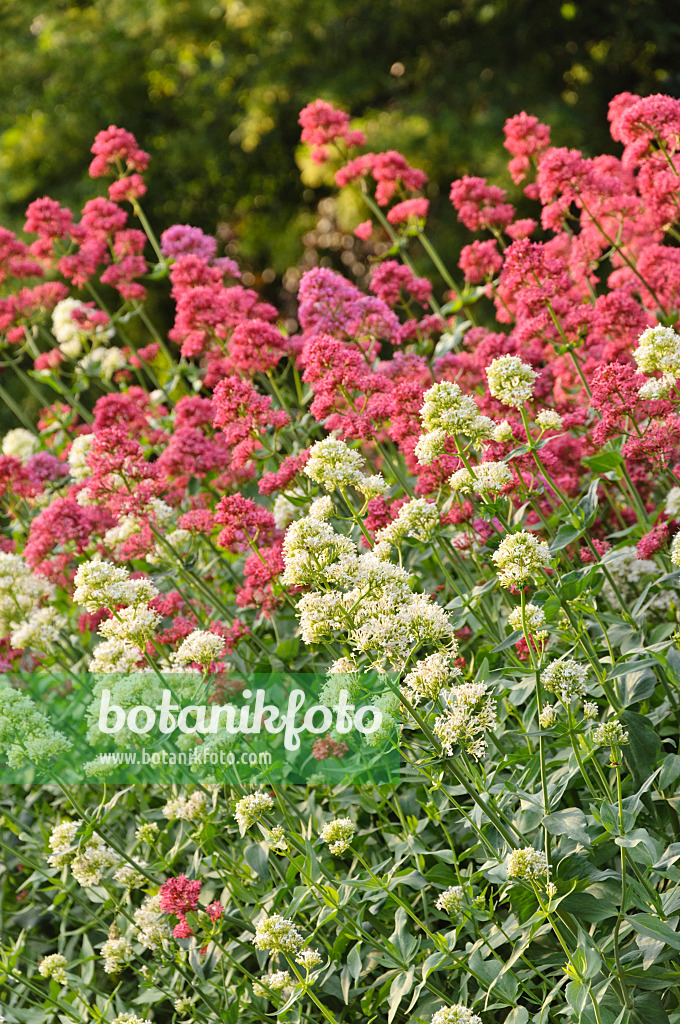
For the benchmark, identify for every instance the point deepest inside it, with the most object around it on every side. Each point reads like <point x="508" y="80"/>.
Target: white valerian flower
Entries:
<point x="457" y="1014"/>
<point x="200" y="646"/>
<point x="277" y="934"/>
<point x="520" y="556"/>
<point x="69" y="334"/>
<point x="283" y="511"/>
<point x="566" y="679"/>
<point x="116" y="952"/>
<point x="93" y="858"/>
<point x="675" y="550"/>
<point x="250" y="809"/>
<point x="590" y="710"/>
<point x="332" y="463"/>
<point x="610" y="734"/>
<point x="20" y="443"/>
<point x="452" y="900"/>
<point x="428" y="677"/>
<point x="550" y="890"/>
<point x="418" y="518"/>
<point x="134" y="625"/>
<point x="372" y="486"/>
<point x="275" y="982"/>
<point x="447" y="412"/>
<point x="130" y="1018"/>
<point x="672" y="503"/>
<point x="338" y="834"/>
<point x="54" y="966"/>
<point x="526" y="863"/>
<point x="186" y="808"/>
<point x="77" y="456"/>
<point x="659" y="350"/>
<point x="62" y="843"/>
<point x="183" y="1005"/>
<point x="130" y="877"/>
<point x="40" y="630"/>
<point x="502" y="432"/>
<point x="148" y="831"/>
<point x="486" y="478"/>
<point x="548" y="419"/>
<point x="104" y="362"/>
<point x="101" y="584"/>
<point x="655" y="390"/>
<point x="548" y="716"/>
<point x="114" y="656"/>
<point x="511" y="380"/>
<point x="311" y="546"/>
<point x="468" y="715"/>
<point x="534" y="618"/>
<point x="309" y="958"/>
<point x="152" y="928"/>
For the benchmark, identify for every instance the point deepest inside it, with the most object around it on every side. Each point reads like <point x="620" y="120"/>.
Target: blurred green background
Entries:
<point x="212" y="89"/>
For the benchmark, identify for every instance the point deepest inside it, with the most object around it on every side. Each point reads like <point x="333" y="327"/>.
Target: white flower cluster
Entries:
<point x="101" y="584"/>
<point x="277" y="934"/>
<point x="610" y="734"/>
<point x="25" y="733"/>
<point x="250" y="809"/>
<point x="309" y="958"/>
<point x="54" y="966"/>
<point x="148" y="831"/>
<point x="157" y="512"/>
<point x="334" y="464"/>
<point x="103" y="362"/>
<point x="447" y="412"/>
<point x="69" y="334"/>
<point x="418" y="518"/>
<point x="275" y="982"/>
<point x="519" y="557"/>
<point x="130" y="877"/>
<point x="548" y="419"/>
<point x="115" y="952"/>
<point x="486" y="478"/>
<point x="20" y="443"/>
<point x="185" y="808"/>
<point x="526" y="863"/>
<point x="200" y="646"/>
<point x="452" y="900"/>
<point x="511" y="381"/>
<point x="88" y="860"/>
<point x="659" y="351"/>
<point x="338" y="834"/>
<point x="130" y="1018"/>
<point x="566" y="679"/>
<point x="428" y="677"/>
<point x="534" y="618"/>
<point x="457" y="1014"/>
<point x="77" y="456"/>
<point x="548" y="716"/>
<point x="672" y="503"/>
<point x="151" y="924"/>
<point x="21" y="615"/>
<point x="468" y="715"/>
<point x="364" y="596"/>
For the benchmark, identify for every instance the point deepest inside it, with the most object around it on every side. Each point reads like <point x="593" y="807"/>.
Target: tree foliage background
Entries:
<point x="212" y="89"/>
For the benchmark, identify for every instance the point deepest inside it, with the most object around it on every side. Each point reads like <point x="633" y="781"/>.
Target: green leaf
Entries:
<point x="509" y="641"/>
<point x="401" y="986"/>
<point x="565" y="535"/>
<point x="647" y="924"/>
<point x="604" y="462"/>
<point x="643" y="750"/>
<point x="648" y="1009"/>
<point x="570" y="822"/>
